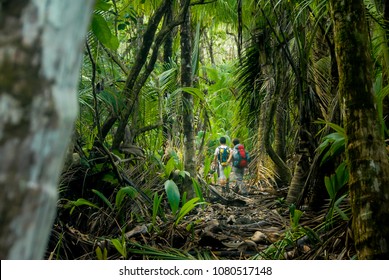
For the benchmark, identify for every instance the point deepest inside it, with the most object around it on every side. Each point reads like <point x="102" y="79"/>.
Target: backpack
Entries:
<point x="241" y="156"/>
<point x="223" y="155"/>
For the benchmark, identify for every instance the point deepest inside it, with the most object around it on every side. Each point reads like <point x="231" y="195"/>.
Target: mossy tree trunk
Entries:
<point x="365" y="150"/>
<point x="187" y="110"/>
<point x="41" y="44"/>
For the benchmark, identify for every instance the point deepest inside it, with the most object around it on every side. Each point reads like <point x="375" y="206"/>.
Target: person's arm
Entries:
<point x="230" y="156"/>
<point x="215" y="156"/>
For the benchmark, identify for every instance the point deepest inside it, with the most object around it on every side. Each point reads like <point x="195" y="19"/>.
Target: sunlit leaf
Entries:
<point x="186" y="208"/>
<point x="103" y="33"/>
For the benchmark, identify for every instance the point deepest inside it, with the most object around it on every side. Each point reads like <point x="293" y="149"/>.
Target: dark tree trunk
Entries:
<point x="188" y="115"/>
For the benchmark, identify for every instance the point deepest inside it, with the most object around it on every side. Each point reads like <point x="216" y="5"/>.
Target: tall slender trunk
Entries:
<point x="40" y="54"/>
<point x="240" y="30"/>
<point x="365" y="149"/>
<point x="168" y="45"/>
<point x="188" y="115"/>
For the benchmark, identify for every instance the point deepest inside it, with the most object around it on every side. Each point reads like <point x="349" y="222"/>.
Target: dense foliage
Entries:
<point x="263" y="71"/>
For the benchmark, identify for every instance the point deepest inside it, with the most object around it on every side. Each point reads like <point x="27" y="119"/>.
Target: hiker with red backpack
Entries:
<point x="220" y="159"/>
<point x="240" y="159"/>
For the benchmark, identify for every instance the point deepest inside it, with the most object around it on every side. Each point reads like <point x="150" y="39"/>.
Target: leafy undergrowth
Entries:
<point x="130" y="223"/>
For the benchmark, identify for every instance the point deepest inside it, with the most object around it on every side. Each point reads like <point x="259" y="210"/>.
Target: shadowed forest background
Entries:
<point x="302" y="84"/>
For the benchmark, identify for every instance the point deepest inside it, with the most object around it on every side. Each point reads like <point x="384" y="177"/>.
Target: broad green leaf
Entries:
<point x="173" y="195"/>
<point x="102" y="5"/>
<point x="102" y="31"/>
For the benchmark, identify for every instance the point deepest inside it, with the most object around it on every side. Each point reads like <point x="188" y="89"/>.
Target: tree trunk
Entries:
<point x="40" y="49"/>
<point x="188" y="116"/>
<point x="365" y="150"/>
<point x="269" y="108"/>
<point x="240" y="31"/>
<point x="168" y="45"/>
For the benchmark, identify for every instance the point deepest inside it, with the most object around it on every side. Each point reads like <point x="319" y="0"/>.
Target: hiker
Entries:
<point x="240" y="159"/>
<point x="221" y="156"/>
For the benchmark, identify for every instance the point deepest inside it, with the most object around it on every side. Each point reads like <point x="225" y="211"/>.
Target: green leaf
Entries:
<point x="130" y="191"/>
<point x="173" y="195"/>
<point x="186" y="208"/>
<point x="342" y="175"/>
<point x="207" y="165"/>
<point x="79" y="202"/>
<point x="103" y="33"/>
<point x="170" y="166"/>
<point x="334" y="126"/>
<point x="156" y="207"/>
<point x="110" y="178"/>
<point x="184" y="173"/>
<point x="103" y="198"/>
<point x="329" y="187"/>
<point x="197" y="189"/>
<point x="120" y="247"/>
<point x="101" y="255"/>
<point x="102" y="5"/>
<point x="341" y="213"/>
<point x="193" y="91"/>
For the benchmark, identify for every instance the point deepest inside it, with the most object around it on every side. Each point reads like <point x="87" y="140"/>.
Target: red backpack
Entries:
<point x="241" y="157"/>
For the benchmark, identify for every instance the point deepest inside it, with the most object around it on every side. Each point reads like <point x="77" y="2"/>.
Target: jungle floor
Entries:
<point x="229" y="226"/>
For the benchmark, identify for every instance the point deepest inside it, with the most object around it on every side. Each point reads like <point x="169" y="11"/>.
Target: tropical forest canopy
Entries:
<point x="161" y="81"/>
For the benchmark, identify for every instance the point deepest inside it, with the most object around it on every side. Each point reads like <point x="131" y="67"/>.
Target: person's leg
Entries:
<point x="222" y="177"/>
<point x="239" y="180"/>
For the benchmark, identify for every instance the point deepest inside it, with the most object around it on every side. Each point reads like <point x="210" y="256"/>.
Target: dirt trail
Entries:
<point x="239" y="226"/>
